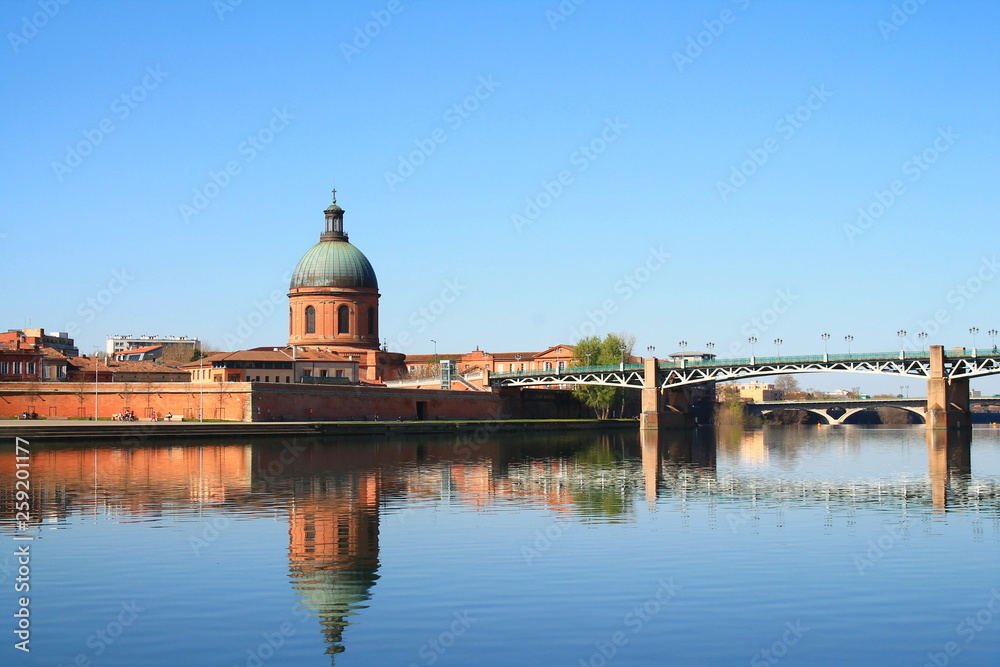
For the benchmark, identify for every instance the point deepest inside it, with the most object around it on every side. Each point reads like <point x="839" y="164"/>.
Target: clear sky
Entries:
<point x="518" y="173"/>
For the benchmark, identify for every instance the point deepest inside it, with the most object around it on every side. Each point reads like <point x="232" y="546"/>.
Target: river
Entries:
<point x="782" y="545"/>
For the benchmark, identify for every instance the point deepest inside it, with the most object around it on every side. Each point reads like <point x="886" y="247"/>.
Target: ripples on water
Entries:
<point x="786" y="545"/>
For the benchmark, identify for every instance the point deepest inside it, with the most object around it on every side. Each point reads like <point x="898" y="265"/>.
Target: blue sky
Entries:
<point x="518" y="173"/>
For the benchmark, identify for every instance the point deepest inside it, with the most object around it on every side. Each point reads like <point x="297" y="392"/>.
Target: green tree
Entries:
<point x="595" y="351"/>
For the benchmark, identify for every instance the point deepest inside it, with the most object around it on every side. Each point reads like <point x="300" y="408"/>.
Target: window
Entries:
<point x="548" y="366"/>
<point x="310" y="320"/>
<point x="561" y="366"/>
<point x="371" y="321"/>
<point x="322" y="373"/>
<point x="306" y="372"/>
<point x="17" y="367"/>
<point x="4" y="368"/>
<point x="343" y="320"/>
<point x="267" y="378"/>
<point x="340" y="373"/>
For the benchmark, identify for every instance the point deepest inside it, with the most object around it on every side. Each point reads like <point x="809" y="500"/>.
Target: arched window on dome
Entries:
<point x="310" y="320"/>
<point x="343" y="320"/>
<point x="371" y="321"/>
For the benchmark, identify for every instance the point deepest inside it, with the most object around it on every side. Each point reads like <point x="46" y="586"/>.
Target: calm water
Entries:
<point x="792" y="546"/>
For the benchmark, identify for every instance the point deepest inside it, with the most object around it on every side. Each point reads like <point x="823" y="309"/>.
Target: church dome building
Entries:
<point x="333" y="302"/>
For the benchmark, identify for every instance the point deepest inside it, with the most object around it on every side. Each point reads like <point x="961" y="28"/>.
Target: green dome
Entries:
<point x="334" y="263"/>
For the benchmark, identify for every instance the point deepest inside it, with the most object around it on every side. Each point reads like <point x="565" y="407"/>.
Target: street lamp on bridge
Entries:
<point x="973" y="331"/>
<point x="848" y="338"/>
<point x="923" y="337"/>
<point x="752" y="340"/>
<point x="709" y="345"/>
<point x="651" y="349"/>
<point x="993" y="335"/>
<point x="825" y="337"/>
<point x="777" y="344"/>
<point x="682" y="344"/>
<point x="902" y="335"/>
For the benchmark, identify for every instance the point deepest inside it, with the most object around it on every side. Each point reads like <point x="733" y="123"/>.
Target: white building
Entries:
<point x="129" y="342"/>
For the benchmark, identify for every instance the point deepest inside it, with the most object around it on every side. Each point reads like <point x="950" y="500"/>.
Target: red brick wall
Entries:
<point x="229" y="401"/>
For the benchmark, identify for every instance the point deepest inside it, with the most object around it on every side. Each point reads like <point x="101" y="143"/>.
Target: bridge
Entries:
<point x="824" y="408"/>
<point x="665" y="385"/>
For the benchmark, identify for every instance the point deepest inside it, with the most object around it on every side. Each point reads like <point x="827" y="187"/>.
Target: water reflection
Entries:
<point x="949" y="455"/>
<point x="335" y="493"/>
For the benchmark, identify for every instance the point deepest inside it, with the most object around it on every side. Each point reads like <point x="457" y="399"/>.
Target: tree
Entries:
<point x="609" y="351"/>
<point x="787" y="384"/>
<point x="180" y="355"/>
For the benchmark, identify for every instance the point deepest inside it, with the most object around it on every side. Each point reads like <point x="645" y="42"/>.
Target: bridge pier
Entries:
<point x="663" y="409"/>
<point x="947" y="398"/>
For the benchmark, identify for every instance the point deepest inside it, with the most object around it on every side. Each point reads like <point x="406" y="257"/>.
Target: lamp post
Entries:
<point x="95" y="385"/>
<point x="201" y="389"/>
<point x="902" y="335"/>
<point x="752" y="340"/>
<point x="709" y="346"/>
<point x="777" y="344"/>
<point x="973" y="331"/>
<point x="825" y="337"/>
<point x="848" y="338"/>
<point x="682" y="344"/>
<point x="923" y="337"/>
<point x="651" y="349"/>
<point x="993" y="335"/>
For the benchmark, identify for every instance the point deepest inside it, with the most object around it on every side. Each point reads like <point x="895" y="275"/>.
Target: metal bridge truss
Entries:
<point x="674" y="377"/>
<point x="630" y="376"/>
<point x="670" y="375"/>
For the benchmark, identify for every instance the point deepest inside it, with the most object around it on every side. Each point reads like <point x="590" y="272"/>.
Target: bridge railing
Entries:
<point x="569" y="369"/>
<point x="758" y="361"/>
